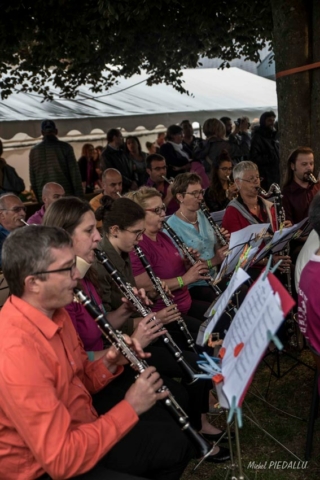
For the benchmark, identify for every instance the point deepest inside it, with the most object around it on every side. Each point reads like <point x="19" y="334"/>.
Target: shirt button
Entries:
<point x="103" y="376"/>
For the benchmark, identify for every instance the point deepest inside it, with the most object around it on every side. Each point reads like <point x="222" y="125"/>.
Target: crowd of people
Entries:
<point x="71" y="406"/>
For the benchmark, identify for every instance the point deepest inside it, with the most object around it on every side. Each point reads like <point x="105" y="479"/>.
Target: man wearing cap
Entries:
<point x="52" y="160"/>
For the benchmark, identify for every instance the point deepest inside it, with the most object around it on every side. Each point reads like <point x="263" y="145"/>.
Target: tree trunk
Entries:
<point x="292" y="49"/>
<point x="315" y="86"/>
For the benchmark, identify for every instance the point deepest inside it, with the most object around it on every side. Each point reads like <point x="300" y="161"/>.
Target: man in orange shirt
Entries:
<point x="49" y="427"/>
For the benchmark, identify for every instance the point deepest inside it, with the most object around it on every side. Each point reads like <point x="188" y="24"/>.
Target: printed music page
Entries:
<point x="252" y="235"/>
<point x="259" y="313"/>
<point x="280" y="240"/>
<point x="218" y="307"/>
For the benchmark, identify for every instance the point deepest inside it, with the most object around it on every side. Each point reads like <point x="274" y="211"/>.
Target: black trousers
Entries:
<point x="155" y="448"/>
<point x="99" y="472"/>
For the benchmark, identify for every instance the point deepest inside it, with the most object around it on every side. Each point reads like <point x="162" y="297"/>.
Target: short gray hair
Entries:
<point x="242" y="167"/>
<point x="27" y="250"/>
<point x="4" y="197"/>
<point x="110" y="170"/>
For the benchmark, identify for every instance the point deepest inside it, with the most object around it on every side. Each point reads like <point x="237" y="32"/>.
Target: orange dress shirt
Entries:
<point x="47" y="421"/>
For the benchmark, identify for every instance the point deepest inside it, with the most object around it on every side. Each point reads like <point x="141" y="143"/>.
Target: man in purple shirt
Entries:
<point x="157" y="169"/>
<point x="50" y="193"/>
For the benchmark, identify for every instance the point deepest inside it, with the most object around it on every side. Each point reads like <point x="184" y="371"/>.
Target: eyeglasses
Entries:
<point x="58" y="270"/>
<point x="14" y="209"/>
<point x="137" y="233"/>
<point x="252" y="179"/>
<point x="225" y="169"/>
<point x="196" y="193"/>
<point x="157" y="210"/>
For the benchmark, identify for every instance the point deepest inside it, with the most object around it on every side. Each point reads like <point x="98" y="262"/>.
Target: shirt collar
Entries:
<point x="47" y="326"/>
<point x="295" y="187"/>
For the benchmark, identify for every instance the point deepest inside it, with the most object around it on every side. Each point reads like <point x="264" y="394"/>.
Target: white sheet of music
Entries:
<point x="237" y="279"/>
<point x="286" y="233"/>
<point x="259" y="313"/>
<point x="250" y="235"/>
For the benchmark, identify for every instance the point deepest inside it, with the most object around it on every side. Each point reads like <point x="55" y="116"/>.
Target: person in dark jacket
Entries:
<point x="52" y="160"/>
<point x="114" y="157"/>
<point x="265" y="150"/>
<point x="177" y="155"/>
<point x="237" y="145"/>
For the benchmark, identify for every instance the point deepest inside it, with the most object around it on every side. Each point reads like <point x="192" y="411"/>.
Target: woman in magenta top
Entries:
<point x="166" y="261"/>
<point x="77" y="218"/>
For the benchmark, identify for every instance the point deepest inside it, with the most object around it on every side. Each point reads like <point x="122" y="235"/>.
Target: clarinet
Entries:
<point x="117" y="340"/>
<point x="127" y="291"/>
<point x="166" y="300"/>
<point x="221" y="238"/>
<point x="183" y="247"/>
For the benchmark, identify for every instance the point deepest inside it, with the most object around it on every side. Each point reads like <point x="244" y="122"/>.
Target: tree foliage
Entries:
<point x="73" y="42"/>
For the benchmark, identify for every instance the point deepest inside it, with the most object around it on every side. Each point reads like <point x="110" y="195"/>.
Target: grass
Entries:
<point x="292" y="394"/>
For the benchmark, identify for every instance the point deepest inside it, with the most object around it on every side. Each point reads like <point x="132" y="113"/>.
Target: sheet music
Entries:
<point x="259" y="313"/>
<point x="250" y="235"/>
<point x="280" y="239"/>
<point x="218" y="307"/>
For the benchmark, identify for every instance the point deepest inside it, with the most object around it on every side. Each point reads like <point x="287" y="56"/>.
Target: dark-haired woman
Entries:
<point x="87" y="166"/>
<point x="221" y="189"/>
<point x="123" y="225"/>
<point x="134" y="152"/>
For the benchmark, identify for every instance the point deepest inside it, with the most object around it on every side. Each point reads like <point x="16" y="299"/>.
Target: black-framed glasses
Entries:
<point x="252" y="179"/>
<point x="16" y="209"/>
<point x="225" y="169"/>
<point x="137" y="233"/>
<point x="157" y="210"/>
<point x="196" y="193"/>
<point x="71" y="269"/>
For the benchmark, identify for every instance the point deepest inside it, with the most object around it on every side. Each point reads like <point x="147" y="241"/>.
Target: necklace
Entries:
<point x="192" y="223"/>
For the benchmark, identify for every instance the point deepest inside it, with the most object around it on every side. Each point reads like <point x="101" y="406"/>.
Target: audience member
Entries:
<point x="12" y="212"/>
<point x="157" y="169"/>
<point x="135" y="153"/>
<point x="188" y="138"/>
<point x="216" y="142"/>
<point x="265" y="150"/>
<point x="87" y="165"/>
<point x="50" y="193"/>
<point x="9" y="179"/>
<point x="52" y="160"/>
<point x="228" y="124"/>
<point x="114" y="157"/>
<point x="161" y="139"/>
<point x="151" y="147"/>
<point x="178" y="156"/>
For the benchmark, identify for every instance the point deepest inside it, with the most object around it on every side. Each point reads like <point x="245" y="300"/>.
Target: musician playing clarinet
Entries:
<point x="49" y="427"/>
<point x="191" y="225"/>
<point x="250" y="208"/>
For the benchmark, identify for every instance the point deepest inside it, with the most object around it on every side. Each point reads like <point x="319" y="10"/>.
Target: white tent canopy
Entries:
<point x="130" y="104"/>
